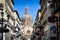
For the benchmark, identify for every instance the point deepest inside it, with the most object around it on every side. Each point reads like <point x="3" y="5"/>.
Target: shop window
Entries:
<point x="53" y="38"/>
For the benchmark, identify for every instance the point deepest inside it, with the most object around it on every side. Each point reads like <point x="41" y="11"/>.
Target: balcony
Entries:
<point x="44" y="18"/>
<point x="1" y="6"/>
<point x="4" y="20"/>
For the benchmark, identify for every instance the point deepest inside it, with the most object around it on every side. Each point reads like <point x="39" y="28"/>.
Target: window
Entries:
<point x="53" y="38"/>
<point x="8" y="3"/>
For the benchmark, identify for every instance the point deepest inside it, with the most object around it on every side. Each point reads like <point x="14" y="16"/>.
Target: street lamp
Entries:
<point x="2" y="23"/>
<point x="3" y="29"/>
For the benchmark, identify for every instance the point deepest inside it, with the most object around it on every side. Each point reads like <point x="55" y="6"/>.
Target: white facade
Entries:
<point x="13" y="21"/>
<point x="28" y="24"/>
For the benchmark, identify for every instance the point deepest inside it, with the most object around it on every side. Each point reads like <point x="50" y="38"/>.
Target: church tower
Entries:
<point x="28" y="24"/>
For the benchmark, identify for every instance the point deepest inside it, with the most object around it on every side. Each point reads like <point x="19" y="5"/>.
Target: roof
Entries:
<point x="17" y="14"/>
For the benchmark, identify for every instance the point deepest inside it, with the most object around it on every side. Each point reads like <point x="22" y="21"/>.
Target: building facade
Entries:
<point x="17" y="25"/>
<point x="6" y="8"/>
<point x="28" y="24"/>
<point x="36" y="31"/>
<point x="9" y="19"/>
<point x="49" y="27"/>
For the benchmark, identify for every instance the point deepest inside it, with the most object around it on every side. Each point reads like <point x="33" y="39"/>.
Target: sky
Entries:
<point x="33" y="6"/>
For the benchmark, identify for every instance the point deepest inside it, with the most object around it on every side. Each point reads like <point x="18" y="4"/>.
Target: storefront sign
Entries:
<point x="52" y="19"/>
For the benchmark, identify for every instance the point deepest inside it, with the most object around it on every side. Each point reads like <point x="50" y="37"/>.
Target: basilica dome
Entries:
<point x="28" y="24"/>
<point x="26" y="16"/>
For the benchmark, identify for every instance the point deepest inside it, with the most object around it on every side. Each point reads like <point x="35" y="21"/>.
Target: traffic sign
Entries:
<point x="53" y="28"/>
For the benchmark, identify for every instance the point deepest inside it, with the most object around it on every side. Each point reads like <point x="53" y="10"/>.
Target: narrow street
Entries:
<point x="29" y="20"/>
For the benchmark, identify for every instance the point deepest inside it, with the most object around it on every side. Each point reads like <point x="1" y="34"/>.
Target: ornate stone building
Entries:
<point x="28" y="24"/>
<point x="49" y="20"/>
<point x="9" y="19"/>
